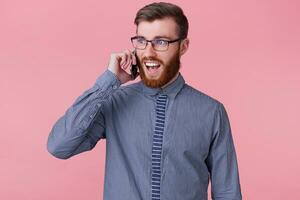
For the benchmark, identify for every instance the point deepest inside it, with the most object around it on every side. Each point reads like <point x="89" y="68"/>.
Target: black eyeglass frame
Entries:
<point x="151" y="41"/>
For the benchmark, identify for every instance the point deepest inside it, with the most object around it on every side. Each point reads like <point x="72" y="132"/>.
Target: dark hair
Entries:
<point x="162" y="10"/>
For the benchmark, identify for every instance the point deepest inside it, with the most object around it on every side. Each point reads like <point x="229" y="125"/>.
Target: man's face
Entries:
<point x="169" y="61"/>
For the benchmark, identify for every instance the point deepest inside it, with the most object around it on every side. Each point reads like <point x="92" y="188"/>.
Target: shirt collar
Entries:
<point x="171" y="90"/>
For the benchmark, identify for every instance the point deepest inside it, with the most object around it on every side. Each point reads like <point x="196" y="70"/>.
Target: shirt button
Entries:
<point x="114" y="87"/>
<point x="98" y="105"/>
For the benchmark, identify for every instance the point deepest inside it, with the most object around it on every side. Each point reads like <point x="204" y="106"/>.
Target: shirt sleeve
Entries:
<point x="222" y="160"/>
<point x="83" y="123"/>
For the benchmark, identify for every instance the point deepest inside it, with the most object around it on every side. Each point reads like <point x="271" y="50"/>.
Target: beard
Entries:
<point x="169" y="70"/>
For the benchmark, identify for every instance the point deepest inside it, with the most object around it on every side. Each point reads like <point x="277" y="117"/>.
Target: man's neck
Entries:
<point x="173" y="79"/>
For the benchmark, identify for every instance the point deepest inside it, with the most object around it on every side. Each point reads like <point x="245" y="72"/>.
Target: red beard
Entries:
<point x="169" y="71"/>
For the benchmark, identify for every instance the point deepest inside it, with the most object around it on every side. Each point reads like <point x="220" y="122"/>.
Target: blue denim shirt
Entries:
<point x="197" y="140"/>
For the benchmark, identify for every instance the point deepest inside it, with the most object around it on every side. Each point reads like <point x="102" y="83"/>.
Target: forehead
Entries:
<point x="166" y="27"/>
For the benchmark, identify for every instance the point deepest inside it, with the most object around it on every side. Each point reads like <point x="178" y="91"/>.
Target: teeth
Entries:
<point x="151" y="64"/>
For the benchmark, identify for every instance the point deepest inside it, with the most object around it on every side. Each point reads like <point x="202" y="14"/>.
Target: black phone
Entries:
<point x="134" y="68"/>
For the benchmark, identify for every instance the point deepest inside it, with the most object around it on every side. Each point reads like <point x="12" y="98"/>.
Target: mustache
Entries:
<point x="151" y="59"/>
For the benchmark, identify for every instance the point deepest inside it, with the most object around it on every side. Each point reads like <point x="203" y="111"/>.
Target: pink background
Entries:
<point x="246" y="54"/>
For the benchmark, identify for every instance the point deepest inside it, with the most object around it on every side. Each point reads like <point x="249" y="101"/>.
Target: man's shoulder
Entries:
<point x="198" y="96"/>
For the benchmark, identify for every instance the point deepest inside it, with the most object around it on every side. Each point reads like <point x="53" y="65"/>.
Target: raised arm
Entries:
<point x="83" y="124"/>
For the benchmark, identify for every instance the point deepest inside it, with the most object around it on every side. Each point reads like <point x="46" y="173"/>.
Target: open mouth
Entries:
<point x="152" y="67"/>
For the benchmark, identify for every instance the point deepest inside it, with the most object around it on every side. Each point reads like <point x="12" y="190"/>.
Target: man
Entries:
<point x="164" y="139"/>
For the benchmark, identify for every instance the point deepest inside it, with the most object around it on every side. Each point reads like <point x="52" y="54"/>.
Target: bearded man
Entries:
<point x="164" y="139"/>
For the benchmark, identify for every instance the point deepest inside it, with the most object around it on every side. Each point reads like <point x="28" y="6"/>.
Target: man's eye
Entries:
<point x="161" y="42"/>
<point x="141" y="40"/>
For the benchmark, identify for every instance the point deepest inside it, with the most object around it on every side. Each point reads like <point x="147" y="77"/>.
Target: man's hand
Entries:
<point x="119" y="62"/>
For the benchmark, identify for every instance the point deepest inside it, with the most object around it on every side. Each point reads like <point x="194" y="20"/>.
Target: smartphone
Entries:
<point x="134" y="68"/>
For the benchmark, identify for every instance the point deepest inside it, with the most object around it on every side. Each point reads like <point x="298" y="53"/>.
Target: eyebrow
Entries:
<point x="161" y="37"/>
<point x="157" y="37"/>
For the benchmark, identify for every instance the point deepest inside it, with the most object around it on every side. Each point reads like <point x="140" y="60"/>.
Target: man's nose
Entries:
<point x="149" y="50"/>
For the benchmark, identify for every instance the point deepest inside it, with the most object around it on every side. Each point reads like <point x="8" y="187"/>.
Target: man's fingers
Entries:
<point x="129" y="59"/>
<point x="119" y="63"/>
<point x="124" y="58"/>
<point x="127" y="55"/>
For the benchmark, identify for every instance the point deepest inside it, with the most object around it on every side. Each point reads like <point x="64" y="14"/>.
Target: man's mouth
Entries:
<point x="152" y="66"/>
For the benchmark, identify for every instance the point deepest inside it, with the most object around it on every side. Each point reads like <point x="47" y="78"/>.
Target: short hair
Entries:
<point x="162" y="10"/>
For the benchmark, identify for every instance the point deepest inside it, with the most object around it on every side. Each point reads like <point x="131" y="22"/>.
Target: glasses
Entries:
<point x="139" y="42"/>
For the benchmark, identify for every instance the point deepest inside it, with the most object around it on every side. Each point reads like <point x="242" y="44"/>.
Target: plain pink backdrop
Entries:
<point x="244" y="53"/>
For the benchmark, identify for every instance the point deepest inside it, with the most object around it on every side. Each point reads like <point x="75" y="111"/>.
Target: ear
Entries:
<point x="184" y="45"/>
